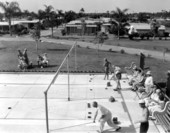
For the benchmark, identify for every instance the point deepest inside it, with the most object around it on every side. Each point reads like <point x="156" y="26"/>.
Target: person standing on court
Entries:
<point x="142" y="61"/>
<point x="106" y="116"/>
<point x="107" y="66"/>
<point x="144" y="121"/>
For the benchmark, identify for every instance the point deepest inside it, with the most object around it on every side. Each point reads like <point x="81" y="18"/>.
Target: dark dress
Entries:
<point x="107" y="67"/>
<point x="168" y="86"/>
<point x="144" y="126"/>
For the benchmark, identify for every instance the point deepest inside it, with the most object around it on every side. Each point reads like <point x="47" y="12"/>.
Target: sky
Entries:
<point x="96" y="5"/>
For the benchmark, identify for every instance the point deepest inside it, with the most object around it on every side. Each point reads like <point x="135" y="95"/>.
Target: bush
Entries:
<point x="114" y="30"/>
<point x="154" y="47"/>
<point x="122" y="51"/>
<point x="78" y="46"/>
<point x="63" y="32"/>
<point x="87" y="47"/>
<point x="110" y="50"/>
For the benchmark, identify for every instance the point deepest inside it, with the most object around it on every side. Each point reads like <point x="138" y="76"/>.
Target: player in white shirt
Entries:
<point x="106" y="116"/>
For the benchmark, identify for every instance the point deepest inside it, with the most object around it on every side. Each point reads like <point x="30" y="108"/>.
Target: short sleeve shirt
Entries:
<point x="103" y="110"/>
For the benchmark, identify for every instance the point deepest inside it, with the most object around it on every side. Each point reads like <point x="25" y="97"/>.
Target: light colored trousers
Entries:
<point x="108" y="119"/>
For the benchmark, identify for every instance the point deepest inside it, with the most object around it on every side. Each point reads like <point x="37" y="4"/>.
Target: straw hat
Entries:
<point x="148" y="73"/>
<point x="141" y="101"/>
<point x="168" y="72"/>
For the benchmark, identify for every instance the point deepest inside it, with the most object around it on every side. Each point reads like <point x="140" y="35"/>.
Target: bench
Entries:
<point x="163" y="117"/>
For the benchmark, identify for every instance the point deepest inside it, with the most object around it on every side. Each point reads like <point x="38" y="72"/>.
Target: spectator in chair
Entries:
<point x="148" y="81"/>
<point x="157" y="106"/>
<point x="39" y="61"/>
<point x="45" y="59"/>
<point x="26" y="56"/>
<point x="106" y="116"/>
<point x="134" y="76"/>
<point x="20" y="55"/>
<point x="138" y="81"/>
<point x="153" y="98"/>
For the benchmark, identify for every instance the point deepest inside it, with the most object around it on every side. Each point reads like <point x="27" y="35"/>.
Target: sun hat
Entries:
<point x="141" y="101"/>
<point x="148" y="73"/>
<point x="134" y="67"/>
<point x="168" y="72"/>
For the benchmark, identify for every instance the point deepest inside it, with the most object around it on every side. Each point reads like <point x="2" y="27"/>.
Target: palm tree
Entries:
<point x="9" y="9"/>
<point x="36" y="35"/>
<point x="61" y="16"/>
<point x="26" y="13"/>
<point x="41" y="15"/>
<point x="50" y="17"/>
<point x="120" y="17"/>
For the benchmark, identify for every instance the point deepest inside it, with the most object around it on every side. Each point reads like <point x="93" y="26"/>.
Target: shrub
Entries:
<point x="154" y="47"/>
<point x="87" y="47"/>
<point x="122" y="51"/>
<point x="78" y="46"/>
<point x="149" y="56"/>
<point x="110" y="50"/>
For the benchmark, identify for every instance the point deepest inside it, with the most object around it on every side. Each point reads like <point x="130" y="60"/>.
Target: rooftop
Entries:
<point x="18" y="22"/>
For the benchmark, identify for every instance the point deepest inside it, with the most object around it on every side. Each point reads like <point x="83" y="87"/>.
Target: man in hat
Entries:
<point x="144" y="121"/>
<point x="106" y="116"/>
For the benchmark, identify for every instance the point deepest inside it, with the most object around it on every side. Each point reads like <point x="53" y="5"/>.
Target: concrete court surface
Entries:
<point x="22" y="104"/>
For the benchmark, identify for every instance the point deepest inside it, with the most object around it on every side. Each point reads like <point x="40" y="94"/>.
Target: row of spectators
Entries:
<point x="25" y="63"/>
<point x="154" y="96"/>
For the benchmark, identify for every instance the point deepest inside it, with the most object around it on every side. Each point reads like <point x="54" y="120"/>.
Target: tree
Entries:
<point x="81" y="13"/>
<point x="99" y="40"/>
<point x="143" y="17"/>
<point x="69" y="16"/>
<point x="82" y="10"/>
<point x="25" y="13"/>
<point x="41" y="14"/>
<point x="9" y="9"/>
<point x="1" y="16"/>
<point x="60" y="16"/>
<point x="36" y="35"/>
<point x="51" y="17"/>
<point x="120" y="17"/>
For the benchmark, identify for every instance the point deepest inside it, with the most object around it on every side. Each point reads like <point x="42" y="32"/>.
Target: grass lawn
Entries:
<point x="155" y="45"/>
<point x="87" y="59"/>
<point x="158" y="45"/>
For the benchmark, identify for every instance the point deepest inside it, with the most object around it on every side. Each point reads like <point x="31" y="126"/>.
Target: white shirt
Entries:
<point x="149" y="81"/>
<point x="132" y="30"/>
<point x="103" y="110"/>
